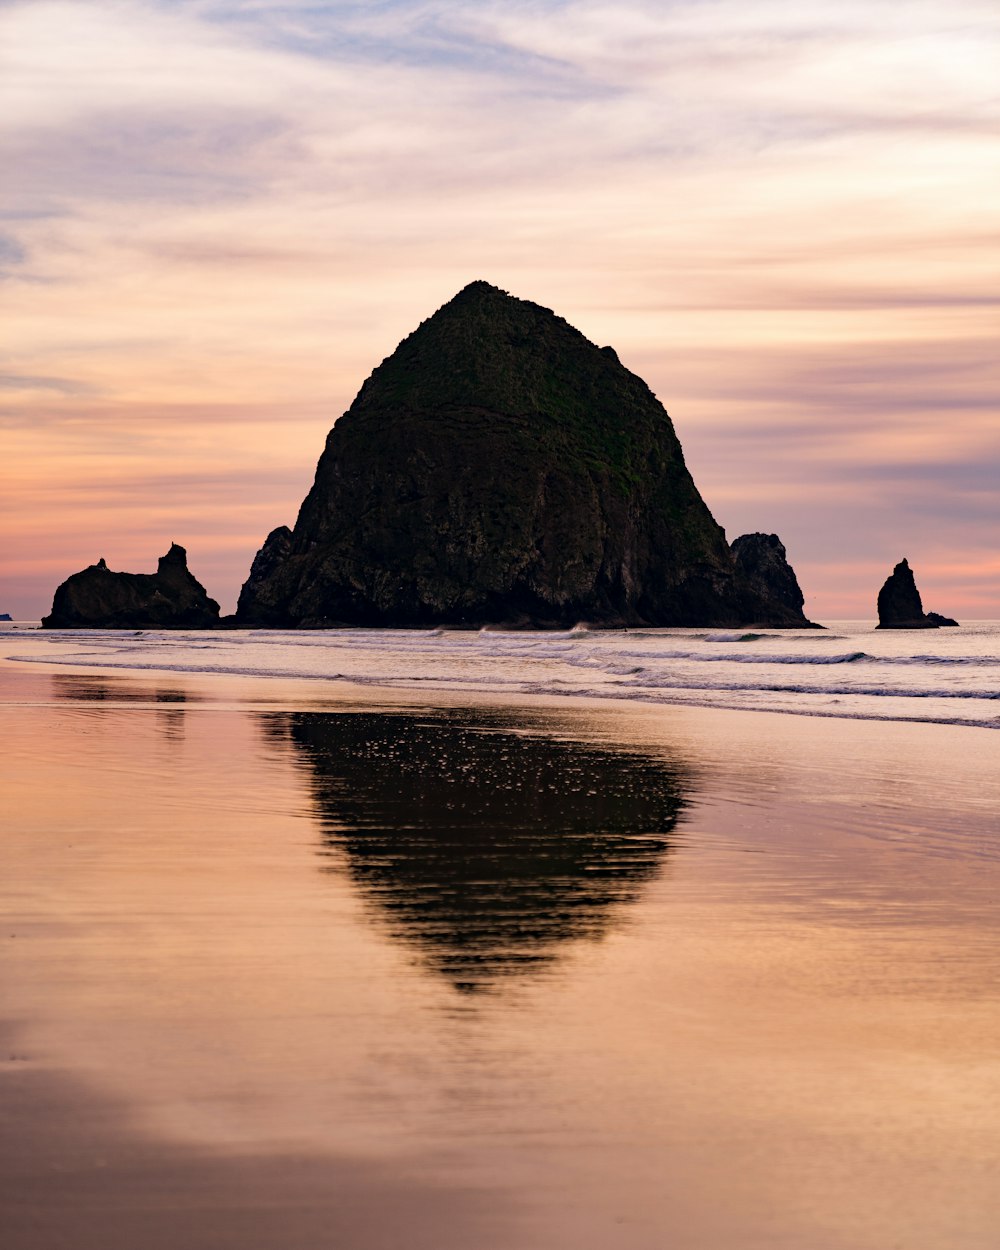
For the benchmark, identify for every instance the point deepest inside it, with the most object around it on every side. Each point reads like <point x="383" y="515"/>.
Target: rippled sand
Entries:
<point x="287" y="968"/>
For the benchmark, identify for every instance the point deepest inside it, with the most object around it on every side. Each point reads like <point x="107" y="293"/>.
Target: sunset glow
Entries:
<point x="220" y="216"/>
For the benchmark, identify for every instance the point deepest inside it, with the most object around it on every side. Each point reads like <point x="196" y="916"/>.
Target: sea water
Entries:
<point x="849" y="669"/>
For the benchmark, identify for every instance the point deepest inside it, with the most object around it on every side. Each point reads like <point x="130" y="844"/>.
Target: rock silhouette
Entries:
<point x="170" y="598"/>
<point x="762" y="560"/>
<point x="900" y="605"/>
<point x="500" y="468"/>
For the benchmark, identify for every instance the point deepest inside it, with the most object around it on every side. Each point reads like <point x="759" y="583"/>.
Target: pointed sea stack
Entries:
<point x="170" y="598"/>
<point x="499" y="468"/>
<point x="900" y="605"/>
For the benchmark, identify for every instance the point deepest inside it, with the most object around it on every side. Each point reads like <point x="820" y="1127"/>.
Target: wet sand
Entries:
<point x="75" y="1171"/>
<point x="286" y="967"/>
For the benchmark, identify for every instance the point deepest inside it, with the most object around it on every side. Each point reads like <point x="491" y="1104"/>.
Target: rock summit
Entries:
<point x="499" y="468"/>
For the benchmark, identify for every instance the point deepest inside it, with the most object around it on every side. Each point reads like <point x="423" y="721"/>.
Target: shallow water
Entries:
<point x="488" y="973"/>
<point x="850" y="670"/>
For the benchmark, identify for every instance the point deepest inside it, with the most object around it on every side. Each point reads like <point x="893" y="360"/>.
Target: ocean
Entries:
<point x="849" y="670"/>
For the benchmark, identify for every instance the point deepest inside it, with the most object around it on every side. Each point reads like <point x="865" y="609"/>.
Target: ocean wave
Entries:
<point x="636" y="679"/>
<point x="669" y="682"/>
<point x="706" y="657"/>
<point x="692" y="699"/>
<point x="752" y="670"/>
<point x="863" y="702"/>
<point x="399" y="680"/>
<point x="737" y="637"/>
<point x="612" y="646"/>
<point x="963" y="661"/>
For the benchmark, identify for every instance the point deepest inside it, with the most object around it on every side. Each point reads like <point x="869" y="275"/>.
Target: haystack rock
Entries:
<point x="170" y="598"/>
<point x="900" y="606"/>
<point x="499" y="468"/>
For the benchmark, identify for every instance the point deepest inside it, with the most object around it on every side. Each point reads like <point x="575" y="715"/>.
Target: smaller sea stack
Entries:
<point x="900" y="606"/>
<point x="170" y="598"/>
<point x="762" y="560"/>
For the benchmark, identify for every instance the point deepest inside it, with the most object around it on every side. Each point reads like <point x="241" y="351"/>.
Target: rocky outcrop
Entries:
<point x="170" y="598"/>
<point x="500" y="468"/>
<point x="762" y="560"/>
<point x="275" y="551"/>
<point x="900" y="605"/>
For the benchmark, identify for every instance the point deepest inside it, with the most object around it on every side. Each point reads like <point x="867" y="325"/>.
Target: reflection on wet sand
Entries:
<point x="485" y="846"/>
<point x="76" y="1172"/>
<point x="84" y="688"/>
<point x="792" y="1044"/>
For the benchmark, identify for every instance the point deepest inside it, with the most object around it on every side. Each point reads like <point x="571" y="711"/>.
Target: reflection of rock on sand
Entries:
<point x="169" y="700"/>
<point x="84" y="688"/>
<point x="484" y="847"/>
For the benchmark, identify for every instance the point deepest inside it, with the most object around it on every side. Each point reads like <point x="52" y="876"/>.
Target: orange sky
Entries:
<point x="222" y="215"/>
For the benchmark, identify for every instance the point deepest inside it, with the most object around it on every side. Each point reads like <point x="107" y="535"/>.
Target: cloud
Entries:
<point x="25" y="382"/>
<point x="226" y="212"/>
<point x="11" y="252"/>
<point x="186" y="157"/>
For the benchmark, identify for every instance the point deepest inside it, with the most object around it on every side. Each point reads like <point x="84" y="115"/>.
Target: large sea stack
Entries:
<point x="900" y="605"/>
<point x="170" y="598"/>
<point x="499" y="468"/>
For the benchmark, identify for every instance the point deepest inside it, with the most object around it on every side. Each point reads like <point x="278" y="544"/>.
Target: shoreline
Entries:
<point x="717" y="736"/>
<point x="338" y="688"/>
<point x="338" y="691"/>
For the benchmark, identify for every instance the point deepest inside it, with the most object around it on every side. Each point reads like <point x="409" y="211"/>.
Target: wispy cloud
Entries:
<point x="27" y="382"/>
<point x="11" y="252"/>
<point x="782" y="216"/>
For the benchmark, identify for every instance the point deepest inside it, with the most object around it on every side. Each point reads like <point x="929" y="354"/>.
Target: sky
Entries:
<point x="218" y="216"/>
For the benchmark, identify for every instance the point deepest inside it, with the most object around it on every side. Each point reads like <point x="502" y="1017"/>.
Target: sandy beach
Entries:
<point x="297" y="965"/>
